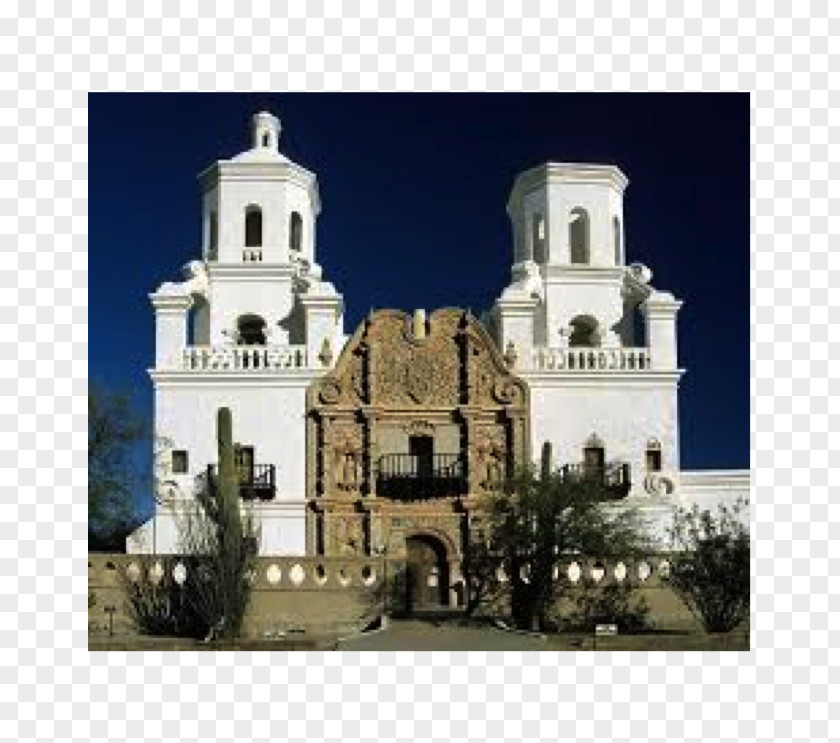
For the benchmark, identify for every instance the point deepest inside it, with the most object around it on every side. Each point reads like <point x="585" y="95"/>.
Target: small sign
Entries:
<point x="606" y="630"/>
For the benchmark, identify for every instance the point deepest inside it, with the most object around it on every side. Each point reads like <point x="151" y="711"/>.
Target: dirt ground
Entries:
<point x="446" y="636"/>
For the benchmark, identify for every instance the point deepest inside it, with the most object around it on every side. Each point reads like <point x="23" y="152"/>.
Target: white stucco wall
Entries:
<point x="623" y="414"/>
<point x="268" y="414"/>
<point x="575" y="291"/>
<point x="266" y="292"/>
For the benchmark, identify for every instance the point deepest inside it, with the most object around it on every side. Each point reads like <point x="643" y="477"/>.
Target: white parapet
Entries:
<point x="590" y="359"/>
<point x="244" y="358"/>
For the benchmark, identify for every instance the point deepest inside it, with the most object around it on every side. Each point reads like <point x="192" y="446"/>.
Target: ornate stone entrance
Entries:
<point x="427" y="573"/>
<point x="417" y="421"/>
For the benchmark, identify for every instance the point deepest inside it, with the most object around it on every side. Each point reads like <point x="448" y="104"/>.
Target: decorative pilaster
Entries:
<point x="660" y="311"/>
<point x="170" y="327"/>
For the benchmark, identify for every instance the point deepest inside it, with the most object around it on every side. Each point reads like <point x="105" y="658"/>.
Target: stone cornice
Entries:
<point x="553" y="172"/>
<point x="250" y="271"/>
<point x="279" y="171"/>
<point x="162" y="301"/>
<point x="661" y="304"/>
<point x="250" y="378"/>
<point x="601" y="379"/>
<point x="517" y="305"/>
<point x="322" y="301"/>
<point x="578" y="274"/>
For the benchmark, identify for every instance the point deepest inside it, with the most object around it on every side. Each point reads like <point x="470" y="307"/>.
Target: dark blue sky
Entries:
<point x="414" y="188"/>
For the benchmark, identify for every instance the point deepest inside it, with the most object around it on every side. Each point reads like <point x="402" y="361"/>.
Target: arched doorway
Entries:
<point x="427" y="573"/>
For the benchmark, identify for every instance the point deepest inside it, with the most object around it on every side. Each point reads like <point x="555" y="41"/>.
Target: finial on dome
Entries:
<point x="265" y="128"/>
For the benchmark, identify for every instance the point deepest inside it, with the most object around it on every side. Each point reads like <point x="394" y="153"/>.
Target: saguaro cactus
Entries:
<point x="229" y="557"/>
<point x="228" y="480"/>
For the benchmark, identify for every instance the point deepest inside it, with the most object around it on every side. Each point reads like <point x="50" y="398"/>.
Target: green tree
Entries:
<point x="540" y="517"/>
<point x="114" y="431"/>
<point x="710" y="569"/>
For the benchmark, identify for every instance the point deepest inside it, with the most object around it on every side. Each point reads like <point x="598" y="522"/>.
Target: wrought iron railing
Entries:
<point x="255" y="482"/>
<point x="411" y="476"/>
<point x="613" y="477"/>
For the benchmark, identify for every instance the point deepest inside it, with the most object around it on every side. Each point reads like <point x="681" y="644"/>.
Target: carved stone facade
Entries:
<point x="400" y="380"/>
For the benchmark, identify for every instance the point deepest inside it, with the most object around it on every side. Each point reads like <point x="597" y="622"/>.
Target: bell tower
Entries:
<point x="568" y="258"/>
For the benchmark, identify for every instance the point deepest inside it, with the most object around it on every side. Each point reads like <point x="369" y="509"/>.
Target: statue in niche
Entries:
<point x="348" y="464"/>
<point x="349" y="536"/>
<point x="490" y="458"/>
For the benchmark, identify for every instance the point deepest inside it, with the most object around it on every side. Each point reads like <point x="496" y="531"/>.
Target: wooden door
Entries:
<point x="428" y="581"/>
<point x="422" y="447"/>
<point x="593" y="462"/>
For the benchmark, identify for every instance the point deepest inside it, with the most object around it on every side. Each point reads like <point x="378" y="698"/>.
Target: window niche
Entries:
<point x="295" y="232"/>
<point x="616" y="223"/>
<point x="579" y="235"/>
<point x="180" y="462"/>
<point x="653" y="456"/>
<point x="253" y="227"/>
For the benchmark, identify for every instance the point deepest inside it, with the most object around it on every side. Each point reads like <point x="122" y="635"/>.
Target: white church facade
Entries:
<point x="348" y="444"/>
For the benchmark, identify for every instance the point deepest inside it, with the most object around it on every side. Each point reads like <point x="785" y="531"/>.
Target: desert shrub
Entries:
<point x="710" y="569"/>
<point x="613" y="603"/>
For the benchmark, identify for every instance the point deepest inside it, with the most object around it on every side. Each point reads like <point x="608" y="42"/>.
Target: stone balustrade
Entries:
<point x="336" y="573"/>
<point x="244" y="358"/>
<point x="590" y="359"/>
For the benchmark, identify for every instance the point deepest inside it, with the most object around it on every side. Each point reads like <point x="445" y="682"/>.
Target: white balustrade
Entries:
<point x="244" y="358"/>
<point x="252" y="255"/>
<point x="591" y="359"/>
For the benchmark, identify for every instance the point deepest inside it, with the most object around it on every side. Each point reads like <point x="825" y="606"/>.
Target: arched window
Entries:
<point x="295" y="232"/>
<point x="584" y="332"/>
<point x="538" y="238"/>
<point x="253" y="227"/>
<point x="266" y="139"/>
<point x="251" y="329"/>
<point x="579" y="235"/>
<point x="653" y="456"/>
<point x="617" y="240"/>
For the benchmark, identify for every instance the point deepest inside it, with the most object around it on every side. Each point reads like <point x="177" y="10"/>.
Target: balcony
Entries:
<point x="614" y="478"/>
<point x="585" y="360"/>
<point x="243" y="358"/>
<point x="256" y="482"/>
<point x="415" y="477"/>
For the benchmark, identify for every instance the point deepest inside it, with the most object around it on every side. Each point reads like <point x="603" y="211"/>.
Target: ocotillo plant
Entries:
<point x="219" y="547"/>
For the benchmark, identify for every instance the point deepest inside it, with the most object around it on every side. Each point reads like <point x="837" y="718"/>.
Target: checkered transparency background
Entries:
<point x="54" y="689"/>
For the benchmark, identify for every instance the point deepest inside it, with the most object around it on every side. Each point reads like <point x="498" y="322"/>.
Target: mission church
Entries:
<point x="381" y="442"/>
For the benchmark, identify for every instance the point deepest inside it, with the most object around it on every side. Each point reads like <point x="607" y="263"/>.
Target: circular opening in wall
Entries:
<point x="664" y="568"/>
<point x="620" y="572"/>
<point x="133" y="572"/>
<point x="597" y="572"/>
<point x="320" y="575"/>
<point x="156" y="573"/>
<point x="368" y="575"/>
<point x="573" y="572"/>
<point x="110" y="566"/>
<point x="644" y="571"/>
<point x="272" y="575"/>
<point x="297" y="575"/>
<point x="343" y="578"/>
<point x="179" y="573"/>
